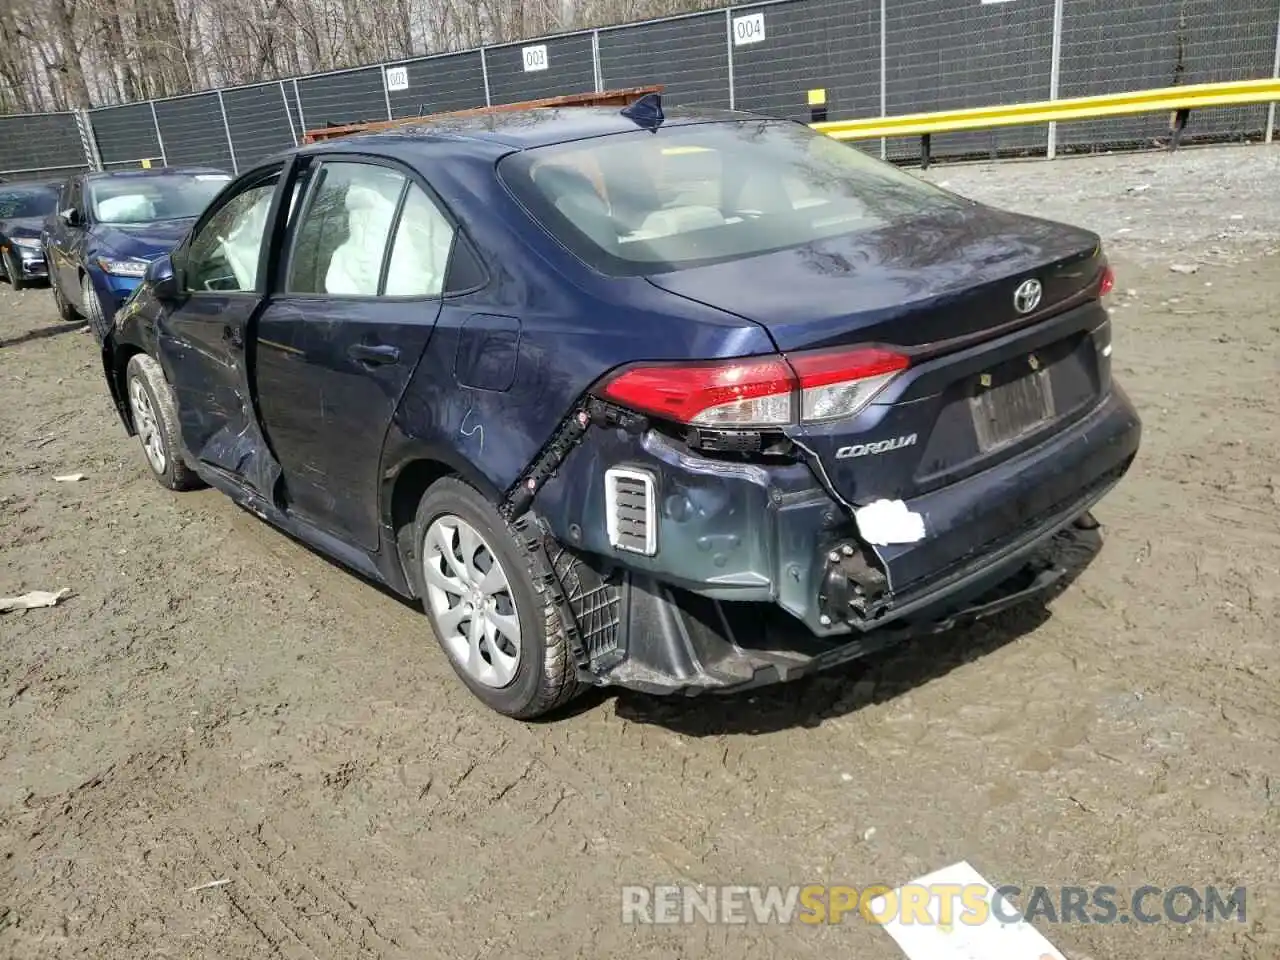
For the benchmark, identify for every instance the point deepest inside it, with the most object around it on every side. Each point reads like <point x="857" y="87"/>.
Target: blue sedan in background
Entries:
<point x="109" y="226"/>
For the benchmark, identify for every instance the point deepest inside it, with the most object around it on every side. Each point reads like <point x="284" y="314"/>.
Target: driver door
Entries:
<point x="64" y="248"/>
<point x="201" y="338"/>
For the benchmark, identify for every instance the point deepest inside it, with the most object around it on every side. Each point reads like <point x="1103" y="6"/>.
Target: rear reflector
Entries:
<point x="1108" y="281"/>
<point x="809" y="386"/>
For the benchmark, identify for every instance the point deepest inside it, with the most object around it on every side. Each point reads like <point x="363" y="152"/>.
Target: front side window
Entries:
<point x="148" y="198"/>
<point x="638" y="203"/>
<point x="341" y="240"/>
<point x="223" y="255"/>
<point x="27" y="202"/>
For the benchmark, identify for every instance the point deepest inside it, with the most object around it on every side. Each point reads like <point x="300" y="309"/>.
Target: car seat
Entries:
<point x="357" y="263"/>
<point x="577" y="200"/>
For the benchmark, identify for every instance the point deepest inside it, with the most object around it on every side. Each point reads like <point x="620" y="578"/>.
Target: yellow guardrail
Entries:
<point x="1174" y="99"/>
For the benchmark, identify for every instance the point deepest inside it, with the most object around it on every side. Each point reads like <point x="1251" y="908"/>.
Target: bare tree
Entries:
<point x="58" y="54"/>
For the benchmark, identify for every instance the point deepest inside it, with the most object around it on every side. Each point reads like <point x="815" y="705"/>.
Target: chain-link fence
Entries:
<point x="872" y="58"/>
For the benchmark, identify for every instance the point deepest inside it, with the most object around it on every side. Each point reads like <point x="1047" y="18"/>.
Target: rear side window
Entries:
<point x="640" y="203"/>
<point x="420" y="251"/>
<point x="341" y="241"/>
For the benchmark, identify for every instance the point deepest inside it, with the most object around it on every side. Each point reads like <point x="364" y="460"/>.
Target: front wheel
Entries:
<point x="155" y="418"/>
<point x="13" y="269"/>
<point x="500" y="629"/>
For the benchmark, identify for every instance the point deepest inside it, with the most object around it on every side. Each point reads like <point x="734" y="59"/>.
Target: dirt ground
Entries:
<point x="217" y="702"/>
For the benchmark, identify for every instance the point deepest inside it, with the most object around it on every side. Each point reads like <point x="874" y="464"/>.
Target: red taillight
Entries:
<point x="838" y="383"/>
<point x="758" y="391"/>
<point x="1108" y="281"/>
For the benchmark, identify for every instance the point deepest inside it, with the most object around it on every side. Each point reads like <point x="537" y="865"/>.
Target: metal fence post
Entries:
<point x="728" y="39"/>
<point x="164" y="157"/>
<point x="302" y="117"/>
<point x="88" y="139"/>
<point x="484" y="72"/>
<point x="1275" y="72"/>
<point x="595" y="60"/>
<point x="1055" y="75"/>
<point x="386" y="93"/>
<point x="226" y="128"/>
<point x="884" y="74"/>
<point x="288" y="114"/>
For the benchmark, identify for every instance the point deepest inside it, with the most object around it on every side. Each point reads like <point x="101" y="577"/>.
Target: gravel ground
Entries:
<point x="216" y="702"/>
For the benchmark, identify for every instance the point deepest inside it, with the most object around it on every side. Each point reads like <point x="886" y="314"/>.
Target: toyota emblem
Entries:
<point x="1027" y="297"/>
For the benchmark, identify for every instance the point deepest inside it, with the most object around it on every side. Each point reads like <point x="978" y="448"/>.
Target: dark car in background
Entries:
<point x="23" y="210"/>
<point x="109" y="226"/>
<point x="684" y="403"/>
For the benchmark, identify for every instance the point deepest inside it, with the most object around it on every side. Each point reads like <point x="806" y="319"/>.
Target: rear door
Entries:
<point x="201" y="340"/>
<point x="337" y="345"/>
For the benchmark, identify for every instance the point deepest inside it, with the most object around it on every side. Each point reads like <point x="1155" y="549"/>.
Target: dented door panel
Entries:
<point x="330" y="374"/>
<point x="201" y="346"/>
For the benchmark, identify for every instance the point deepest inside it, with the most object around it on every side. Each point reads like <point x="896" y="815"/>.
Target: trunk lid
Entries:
<point x="987" y="378"/>
<point x="950" y="275"/>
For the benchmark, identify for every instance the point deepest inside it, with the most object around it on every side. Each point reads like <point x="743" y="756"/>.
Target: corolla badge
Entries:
<point x="876" y="446"/>
<point x="1027" y="297"/>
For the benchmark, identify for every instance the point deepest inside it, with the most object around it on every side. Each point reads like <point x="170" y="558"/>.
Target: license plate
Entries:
<point x="1008" y="411"/>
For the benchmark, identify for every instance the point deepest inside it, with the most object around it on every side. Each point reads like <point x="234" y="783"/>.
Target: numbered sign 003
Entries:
<point x="748" y="29"/>
<point x="535" y="58"/>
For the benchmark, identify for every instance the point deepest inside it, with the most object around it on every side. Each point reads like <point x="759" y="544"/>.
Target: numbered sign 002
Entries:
<point x="535" y="58"/>
<point x="397" y="78"/>
<point x="748" y="29"/>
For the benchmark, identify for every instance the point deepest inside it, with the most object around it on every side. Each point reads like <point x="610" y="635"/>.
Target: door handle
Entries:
<point x="373" y="354"/>
<point x="232" y="336"/>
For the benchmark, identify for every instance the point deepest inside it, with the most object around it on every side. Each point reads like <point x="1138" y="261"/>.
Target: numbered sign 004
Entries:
<point x="748" y="29"/>
<point x="535" y="58"/>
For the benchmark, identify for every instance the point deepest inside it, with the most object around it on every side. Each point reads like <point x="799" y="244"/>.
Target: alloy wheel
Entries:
<point x="144" y="420"/>
<point x="471" y="601"/>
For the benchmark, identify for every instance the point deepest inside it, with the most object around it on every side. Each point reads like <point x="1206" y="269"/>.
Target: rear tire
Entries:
<point x="499" y="628"/>
<point x="93" y="311"/>
<point x="155" y="418"/>
<point x="13" y="269"/>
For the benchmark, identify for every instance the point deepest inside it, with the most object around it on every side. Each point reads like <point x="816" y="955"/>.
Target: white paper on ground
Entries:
<point x="994" y="939"/>
<point x="69" y="478"/>
<point x="36" y="598"/>
<point x="885" y="522"/>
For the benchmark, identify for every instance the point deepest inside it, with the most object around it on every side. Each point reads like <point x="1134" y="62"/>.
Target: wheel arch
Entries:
<point x="115" y="365"/>
<point x="412" y="472"/>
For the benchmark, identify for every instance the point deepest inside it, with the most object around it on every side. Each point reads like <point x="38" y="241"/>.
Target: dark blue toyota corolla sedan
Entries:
<point x="681" y="403"/>
<point x="109" y="226"/>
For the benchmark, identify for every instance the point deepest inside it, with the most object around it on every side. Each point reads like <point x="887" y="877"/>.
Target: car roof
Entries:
<point x="527" y="129"/>
<point x="154" y="172"/>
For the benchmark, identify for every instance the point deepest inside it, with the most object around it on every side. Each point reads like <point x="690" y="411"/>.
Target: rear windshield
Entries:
<point x="643" y="203"/>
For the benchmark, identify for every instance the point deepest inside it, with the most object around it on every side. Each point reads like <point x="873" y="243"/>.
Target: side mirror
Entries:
<point x="71" y="217"/>
<point x="161" y="278"/>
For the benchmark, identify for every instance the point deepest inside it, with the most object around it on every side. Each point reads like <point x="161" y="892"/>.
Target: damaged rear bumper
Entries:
<point x="756" y="575"/>
<point x="685" y="644"/>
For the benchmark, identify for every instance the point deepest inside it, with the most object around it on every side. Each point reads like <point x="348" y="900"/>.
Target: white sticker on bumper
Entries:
<point x="886" y="522"/>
